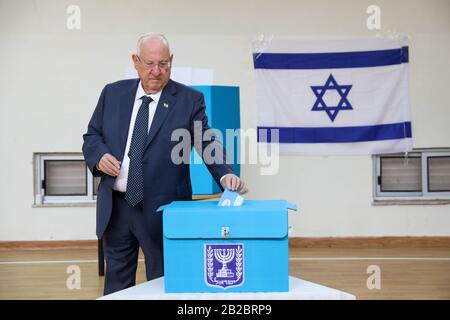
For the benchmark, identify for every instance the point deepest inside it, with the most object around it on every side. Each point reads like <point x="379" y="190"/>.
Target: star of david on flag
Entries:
<point x="320" y="104"/>
<point x="334" y="97"/>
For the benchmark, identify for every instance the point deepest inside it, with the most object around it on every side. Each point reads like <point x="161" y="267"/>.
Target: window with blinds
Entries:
<point x="63" y="178"/>
<point x="438" y="171"/>
<point x="417" y="175"/>
<point x="400" y="175"/>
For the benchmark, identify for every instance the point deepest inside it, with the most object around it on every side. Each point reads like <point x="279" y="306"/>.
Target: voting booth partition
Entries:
<point x="222" y="110"/>
<point x="209" y="248"/>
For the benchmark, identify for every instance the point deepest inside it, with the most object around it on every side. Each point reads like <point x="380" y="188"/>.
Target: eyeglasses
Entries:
<point x="162" y="65"/>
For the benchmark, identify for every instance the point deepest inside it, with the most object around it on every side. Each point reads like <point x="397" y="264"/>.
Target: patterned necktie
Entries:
<point x="135" y="183"/>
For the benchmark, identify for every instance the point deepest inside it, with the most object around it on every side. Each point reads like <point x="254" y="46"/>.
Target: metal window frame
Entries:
<point x="425" y="194"/>
<point x="425" y="170"/>
<point x="40" y="160"/>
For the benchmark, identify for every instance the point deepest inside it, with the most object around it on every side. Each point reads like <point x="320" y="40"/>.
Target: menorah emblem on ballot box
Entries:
<point x="224" y="264"/>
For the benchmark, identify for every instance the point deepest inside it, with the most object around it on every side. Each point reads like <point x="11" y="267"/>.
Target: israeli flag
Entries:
<point x="340" y="97"/>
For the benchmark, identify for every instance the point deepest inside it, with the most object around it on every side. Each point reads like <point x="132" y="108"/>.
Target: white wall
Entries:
<point x="51" y="78"/>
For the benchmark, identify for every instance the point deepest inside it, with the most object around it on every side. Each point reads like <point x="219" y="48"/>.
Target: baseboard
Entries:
<point x="294" y="242"/>
<point x="370" y="242"/>
<point x="48" y="245"/>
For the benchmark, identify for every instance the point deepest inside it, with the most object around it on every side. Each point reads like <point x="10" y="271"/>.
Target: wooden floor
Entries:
<point x="406" y="273"/>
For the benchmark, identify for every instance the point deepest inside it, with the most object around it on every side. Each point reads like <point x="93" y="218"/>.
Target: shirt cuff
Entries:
<point x="222" y="178"/>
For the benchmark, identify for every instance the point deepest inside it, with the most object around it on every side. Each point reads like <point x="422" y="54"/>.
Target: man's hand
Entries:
<point x="109" y="165"/>
<point x="232" y="182"/>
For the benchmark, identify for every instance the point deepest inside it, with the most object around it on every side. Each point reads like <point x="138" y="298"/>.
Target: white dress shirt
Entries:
<point x="121" y="181"/>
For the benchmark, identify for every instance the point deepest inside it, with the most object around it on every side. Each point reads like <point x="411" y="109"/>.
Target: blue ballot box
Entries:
<point x="222" y="109"/>
<point x="208" y="248"/>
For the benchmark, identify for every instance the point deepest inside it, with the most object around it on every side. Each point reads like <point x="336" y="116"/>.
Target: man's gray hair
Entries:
<point x="151" y="36"/>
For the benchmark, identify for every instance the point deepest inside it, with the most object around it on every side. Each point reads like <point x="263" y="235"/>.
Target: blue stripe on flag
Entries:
<point x="331" y="60"/>
<point x="338" y="134"/>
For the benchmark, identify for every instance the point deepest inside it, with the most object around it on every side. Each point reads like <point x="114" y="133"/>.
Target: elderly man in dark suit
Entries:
<point x="128" y="143"/>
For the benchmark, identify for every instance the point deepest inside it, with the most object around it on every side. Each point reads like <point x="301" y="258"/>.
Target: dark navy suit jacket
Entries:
<point x="179" y="106"/>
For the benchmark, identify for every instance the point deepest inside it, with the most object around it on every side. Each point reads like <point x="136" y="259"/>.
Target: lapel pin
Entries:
<point x="165" y="105"/>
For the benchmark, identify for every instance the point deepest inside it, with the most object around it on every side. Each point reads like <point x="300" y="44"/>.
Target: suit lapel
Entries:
<point x="165" y="106"/>
<point x="125" y="111"/>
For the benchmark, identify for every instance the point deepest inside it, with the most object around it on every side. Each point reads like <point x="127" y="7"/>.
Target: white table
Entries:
<point x="298" y="290"/>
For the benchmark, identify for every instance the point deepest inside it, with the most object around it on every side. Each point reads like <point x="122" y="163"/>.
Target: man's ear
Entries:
<point x="135" y="60"/>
